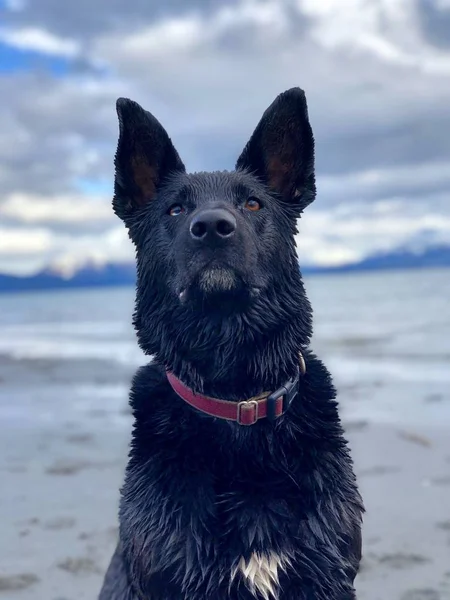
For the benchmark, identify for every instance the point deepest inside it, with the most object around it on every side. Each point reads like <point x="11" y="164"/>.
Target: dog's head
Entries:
<point x="216" y="246"/>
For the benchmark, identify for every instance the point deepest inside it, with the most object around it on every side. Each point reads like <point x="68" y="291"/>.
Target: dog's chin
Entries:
<point x="217" y="285"/>
<point x="218" y="281"/>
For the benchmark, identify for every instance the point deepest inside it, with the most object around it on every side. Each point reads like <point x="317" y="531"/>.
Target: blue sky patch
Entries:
<point x="95" y="187"/>
<point x="13" y="60"/>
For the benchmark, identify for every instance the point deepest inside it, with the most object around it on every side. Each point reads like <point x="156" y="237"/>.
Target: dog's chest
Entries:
<point x="259" y="540"/>
<point x="261" y="573"/>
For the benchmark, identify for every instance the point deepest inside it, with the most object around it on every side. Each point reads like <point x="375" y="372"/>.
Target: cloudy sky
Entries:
<point x="376" y="74"/>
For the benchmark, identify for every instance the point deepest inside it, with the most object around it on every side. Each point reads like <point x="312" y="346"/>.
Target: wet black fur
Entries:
<point x="200" y="493"/>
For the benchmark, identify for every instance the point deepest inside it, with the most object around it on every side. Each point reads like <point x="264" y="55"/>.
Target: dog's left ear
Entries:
<point x="145" y="157"/>
<point x="281" y="149"/>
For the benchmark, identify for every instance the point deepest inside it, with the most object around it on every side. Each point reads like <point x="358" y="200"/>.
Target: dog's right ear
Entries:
<point x="145" y="157"/>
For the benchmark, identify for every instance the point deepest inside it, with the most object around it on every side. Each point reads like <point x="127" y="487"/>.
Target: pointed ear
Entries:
<point x="281" y="149"/>
<point x="145" y="156"/>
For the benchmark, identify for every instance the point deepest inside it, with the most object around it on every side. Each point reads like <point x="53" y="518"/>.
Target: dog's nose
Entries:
<point x="213" y="223"/>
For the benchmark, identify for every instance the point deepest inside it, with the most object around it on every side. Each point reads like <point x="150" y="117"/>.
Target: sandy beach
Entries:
<point x="60" y="493"/>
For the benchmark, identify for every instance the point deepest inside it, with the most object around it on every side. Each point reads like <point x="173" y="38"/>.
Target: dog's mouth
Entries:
<point x="216" y="282"/>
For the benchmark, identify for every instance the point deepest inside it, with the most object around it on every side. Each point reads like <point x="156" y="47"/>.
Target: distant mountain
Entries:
<point x="121" y="274"/>
<point x="108" y="275"/>
<point x="400" y="258"/>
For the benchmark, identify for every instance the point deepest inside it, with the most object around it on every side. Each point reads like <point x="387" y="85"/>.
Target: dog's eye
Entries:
<point x="176" y="210"/>
<point x="253" y="204"/>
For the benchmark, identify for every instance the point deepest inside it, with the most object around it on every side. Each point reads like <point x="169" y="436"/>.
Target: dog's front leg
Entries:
<point x="116" y="585"/>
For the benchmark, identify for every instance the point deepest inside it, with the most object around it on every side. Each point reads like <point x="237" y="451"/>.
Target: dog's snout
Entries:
<point x="213" y="223"/>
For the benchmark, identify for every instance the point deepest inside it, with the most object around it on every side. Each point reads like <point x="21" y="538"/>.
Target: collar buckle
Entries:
<point x="247" y="412"/>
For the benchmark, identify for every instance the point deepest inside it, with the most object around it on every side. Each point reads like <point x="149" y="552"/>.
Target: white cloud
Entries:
<point x="383" y="183"/>
<point x="24" y="242"/>
<point x="56" y="131"/>
<point x="387" y="29"/>
<point x="193" y="31"/>
<point x="348" y="233"/>
<point x="27" y="250"/>
<point x="39" y="40"/>
<point x="112" y="246"/>
<point x="71" y="208"/>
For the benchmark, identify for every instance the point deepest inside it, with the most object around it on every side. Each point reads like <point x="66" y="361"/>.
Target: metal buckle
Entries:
<point x="302" y="363"/>
<point x="247" y="403"/>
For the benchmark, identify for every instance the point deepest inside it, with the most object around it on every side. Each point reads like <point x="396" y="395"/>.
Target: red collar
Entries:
<point x="247" y="412"/>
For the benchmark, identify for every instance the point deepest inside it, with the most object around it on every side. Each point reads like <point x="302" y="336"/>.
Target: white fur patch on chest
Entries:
<point x="261" y="573"/>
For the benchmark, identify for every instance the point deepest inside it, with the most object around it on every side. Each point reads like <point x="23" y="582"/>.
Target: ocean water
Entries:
<point x="69" y="355"/>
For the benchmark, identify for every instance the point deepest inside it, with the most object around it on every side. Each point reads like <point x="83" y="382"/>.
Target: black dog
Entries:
<point x="239" y="483"/>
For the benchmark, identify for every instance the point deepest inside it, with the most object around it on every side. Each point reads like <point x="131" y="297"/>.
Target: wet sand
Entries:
<point x="60" y="489"/>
